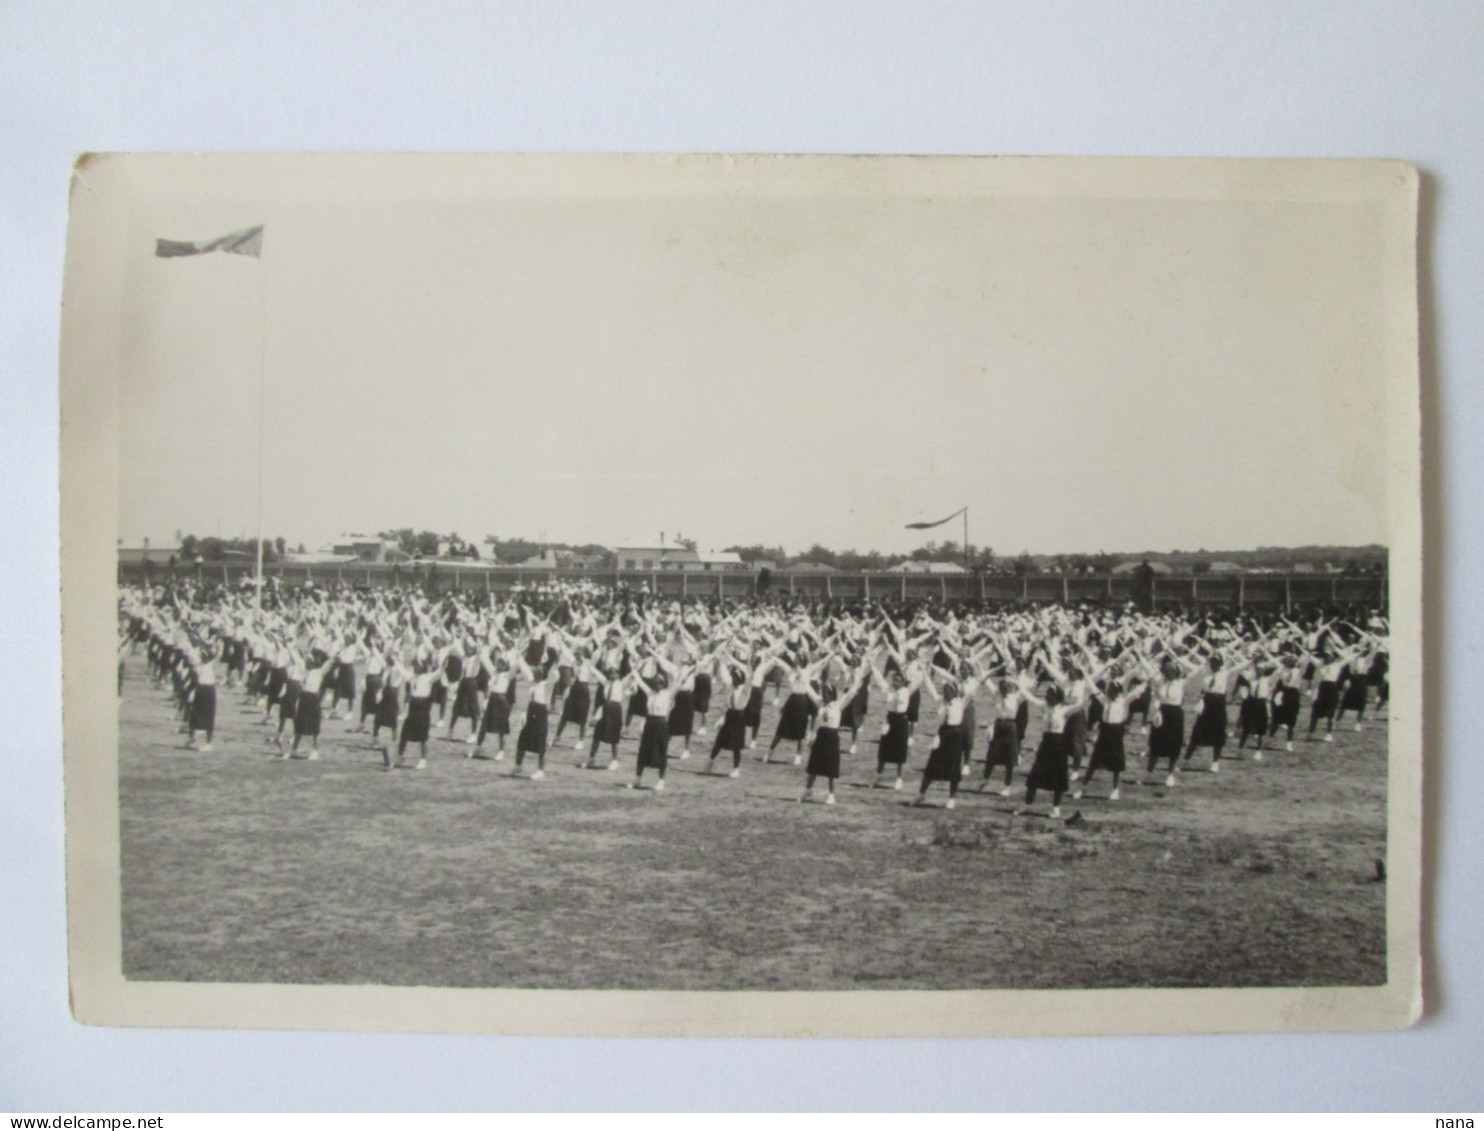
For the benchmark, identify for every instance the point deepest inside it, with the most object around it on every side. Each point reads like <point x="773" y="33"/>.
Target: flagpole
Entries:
<point x="262" y="400"/>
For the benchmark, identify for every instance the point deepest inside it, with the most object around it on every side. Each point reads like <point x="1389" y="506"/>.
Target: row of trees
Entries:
<point x="214" y="549"/>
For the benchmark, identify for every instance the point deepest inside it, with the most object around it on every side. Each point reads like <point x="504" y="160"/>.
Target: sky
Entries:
<point x="740" y="353"/>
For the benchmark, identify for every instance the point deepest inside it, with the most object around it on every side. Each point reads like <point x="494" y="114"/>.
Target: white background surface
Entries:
<point x="1239" y="79"/>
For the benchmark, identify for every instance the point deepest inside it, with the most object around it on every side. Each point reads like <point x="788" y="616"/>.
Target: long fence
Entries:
<point x="1266" y="590"/>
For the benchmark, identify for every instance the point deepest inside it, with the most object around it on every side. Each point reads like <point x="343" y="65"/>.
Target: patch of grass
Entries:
<point x="240" y="868"/>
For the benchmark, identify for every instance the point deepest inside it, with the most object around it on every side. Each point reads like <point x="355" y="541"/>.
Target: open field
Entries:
<point x="240" y="868"/>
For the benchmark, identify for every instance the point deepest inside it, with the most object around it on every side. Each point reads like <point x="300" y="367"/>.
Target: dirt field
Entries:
<point x="241" y="868"/>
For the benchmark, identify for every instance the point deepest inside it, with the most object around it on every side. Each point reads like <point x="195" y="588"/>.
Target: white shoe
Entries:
<point x="1113" y="796"/>
<point x="613" y="765"/>
<point x="206" y="749"/>
<point x="1257" y="755"/>
<point x="538" y="775"/>
<point x="469" y="741"/>
<point x="701" y="729"/>
<point x="499" y="755"/>
<point x="1077" y="795"/>
<point x="798" y="758"/>
<point x="1357" y="728"/>
<point x="1170" y="782"/>
<point x="314" y="755"/>
<point x="735" y="774"/>
<point x="1056" y="812"/>
<point x="950" y="803"/>
<point x="752" y="745"/>
<point x="1290" y="748"/>
<point x="684" y="754"/>
<point x="1215" y="767"/>
<point x="1005" y="792"/>
<point x="659" y="786"/>
<point x="897" y="784"/>
<point x="422" y="764"/>
<point x="852" y="748"/>
<point x="1329" y="738"/>
<point x="829" y="798"/>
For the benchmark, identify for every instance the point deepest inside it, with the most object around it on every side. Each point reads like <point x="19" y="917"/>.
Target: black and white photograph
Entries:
<point x="921" y="596"/>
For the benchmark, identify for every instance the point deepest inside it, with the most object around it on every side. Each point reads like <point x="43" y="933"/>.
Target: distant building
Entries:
<point x="367" y="549"/>
<point x="671" y="555"/>
<point x="810" y="567"/>
<point x="641" y="553"/>
<point x="133" y="555"/>
<point x="321" y="557"/>
<point x="1226" y="567"/>
<point x="927" y="567"/>
<point x="704" y="561"/>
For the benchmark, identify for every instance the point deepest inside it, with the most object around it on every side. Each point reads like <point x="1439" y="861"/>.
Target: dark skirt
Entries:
<point x="369" y="695"/>
<point x="419" y="718"/>
<point x="533" y="733"/>
<point x="824" y="753"/>
<point x="754" y="710"/>
<point x="1107" y="751"/>
<point x="466" y="700"/>
<point x="1022" y="722"/>
<point x="914" y="707"/>
<point x="701" y="696"/>
<point x="288" y="701"/>
<point x="946" y="762"/>
<point x="1354" y="697"/>
<point x="1168" y="736"/>
<point x="307" y="716"/>
<point x="732" y="734"/>
<point x="894" y="741"/>
<point x="1254" y="714"/>
<point x="1286" y="707"/>
<point x="578" y="704"/>
<point x="1140" y="706"/>
<point x="1210" y="724"/>
<point x="1004" y="745"/>
<point x="859" y="707"/>
<point x="1076" y="736"/>
<point x="203" y="708"/>
<point x="278" y="679"/>
<point x="345" y="682"/>
<point x="793" y="721"/>
<point x="1094" y="713"/>
<point x="387" y="708"/>
<point x="683" y="714"/>
<point x="496" y="715"/>
<point x="638" y="705"/>
<point x="1049" y="771"/>
<point x="654" y="743"/>
<point x="610" y="723"/>
<point x="1326" y="699"/>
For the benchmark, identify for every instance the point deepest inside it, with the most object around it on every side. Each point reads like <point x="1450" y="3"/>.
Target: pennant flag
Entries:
<point x="940" y="522"/>
<point x="249" y="241"/>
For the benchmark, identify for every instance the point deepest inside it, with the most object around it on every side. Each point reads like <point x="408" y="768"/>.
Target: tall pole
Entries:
<point x="262" y="401"/>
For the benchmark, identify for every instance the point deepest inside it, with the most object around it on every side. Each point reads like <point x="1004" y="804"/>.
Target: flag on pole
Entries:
<point x="940" y="522"/>
<point x="249" y="241"/>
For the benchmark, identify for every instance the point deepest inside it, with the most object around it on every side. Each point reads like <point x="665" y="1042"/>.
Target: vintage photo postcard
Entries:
<point x="712" y="595"/>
